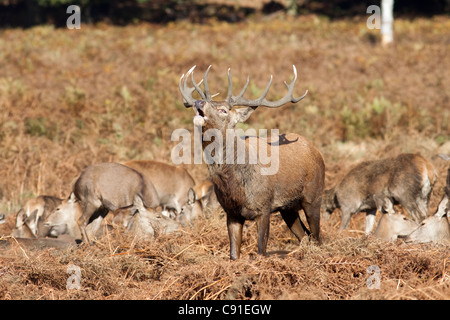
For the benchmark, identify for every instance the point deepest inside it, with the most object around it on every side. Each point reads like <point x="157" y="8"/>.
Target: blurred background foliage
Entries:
<point x="26" y="13"/>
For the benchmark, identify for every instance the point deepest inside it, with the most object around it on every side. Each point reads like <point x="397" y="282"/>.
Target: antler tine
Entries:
<point x="263" y="96"/>
<point x="187" y="92"/>
<point x="197" y="86"/>
<point x="230" y="98"/>
<point x="263" y="102"/>
<point x="239" y="96"/>
<point x="238" y="100"/>
<point x="230" y="87"/>
<point x="205" y="84"/>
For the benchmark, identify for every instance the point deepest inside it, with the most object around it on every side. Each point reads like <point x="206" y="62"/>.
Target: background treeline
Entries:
<point x="25" y="13"/>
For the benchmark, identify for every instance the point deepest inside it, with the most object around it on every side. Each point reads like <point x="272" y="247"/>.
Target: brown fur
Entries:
<point x="407" y="179"/>
<point x="22" y="228"/>
<point x="30" y="220"/>
<point x="392" y="226"/>
<point x="108" y="187"/>
<point x="205" y="193"/>
<point x="173" y="184"/>
<point x="435" y="228"/>
<point x="246" y="194"/>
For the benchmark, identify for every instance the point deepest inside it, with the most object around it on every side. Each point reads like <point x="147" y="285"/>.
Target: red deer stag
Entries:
<point x="242" y="188"/>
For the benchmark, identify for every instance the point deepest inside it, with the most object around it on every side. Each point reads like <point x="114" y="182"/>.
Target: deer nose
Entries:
<point x="198" y="104"/>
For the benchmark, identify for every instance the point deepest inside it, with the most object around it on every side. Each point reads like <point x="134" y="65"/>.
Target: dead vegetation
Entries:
<point x="72" y="98"/>
<point x="195" y="265"/>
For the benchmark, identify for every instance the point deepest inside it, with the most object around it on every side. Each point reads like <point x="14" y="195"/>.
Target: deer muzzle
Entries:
<point x="198" y="105"/>
<point x="199" y="118"/>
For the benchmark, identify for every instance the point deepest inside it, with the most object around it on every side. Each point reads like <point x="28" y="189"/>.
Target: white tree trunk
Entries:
<point x="387" y="21"/>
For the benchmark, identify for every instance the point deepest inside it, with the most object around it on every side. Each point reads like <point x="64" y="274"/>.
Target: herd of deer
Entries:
<point x="132" y="196"/>
<point x="150" y="197"/>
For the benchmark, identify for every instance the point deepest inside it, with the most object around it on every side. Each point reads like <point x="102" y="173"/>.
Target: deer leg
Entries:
<point x="95" y="221"/>
<point x="88" y="210"/>
<point x="84" y="235"/>
<point x="345" y="220"/>
<point x="370" y="221"/>
<point x="312" y="212"/>
<point x="294" y="223"/>
<point x="93" y="226"/>
<point x="262" y="226"/>
<point x="234" y="225"/>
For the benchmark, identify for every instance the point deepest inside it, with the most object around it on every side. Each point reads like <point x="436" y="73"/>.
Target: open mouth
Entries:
<point x="200" y="113"/>
<point x="199" y="119"/>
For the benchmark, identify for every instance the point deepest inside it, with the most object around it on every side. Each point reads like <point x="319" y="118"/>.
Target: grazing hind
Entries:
<point x="407" y="179"/>
<point x="108" y="187"/>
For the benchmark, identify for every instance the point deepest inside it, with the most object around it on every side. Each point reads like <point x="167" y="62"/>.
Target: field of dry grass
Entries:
<point x="70" y="98"/>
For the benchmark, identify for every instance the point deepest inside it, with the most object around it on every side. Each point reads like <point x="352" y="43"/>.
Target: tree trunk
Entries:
<point x="387" y="21"/>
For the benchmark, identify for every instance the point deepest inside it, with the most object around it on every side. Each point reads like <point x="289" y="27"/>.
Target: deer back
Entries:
<point x="169" y="181"/>
<point x="114" y="186"/>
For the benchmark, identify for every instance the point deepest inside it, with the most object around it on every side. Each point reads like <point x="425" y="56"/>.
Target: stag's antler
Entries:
<point x="187" y="92"/>
<point x="238" y="100"/>
<point x="262" y="101"/>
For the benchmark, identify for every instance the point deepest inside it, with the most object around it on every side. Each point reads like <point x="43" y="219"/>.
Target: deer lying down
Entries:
<point x="39" y="244"/>
<point x="31" y="217"/>
<point x="174" y="185"/>
<point x="64" y="220"/>
<point x="435" y="228"/>
<point x="149" y="223"/>
<point x="407" y="180"/>
<point x="22" y="227"/>
<point x="393" y="226"/>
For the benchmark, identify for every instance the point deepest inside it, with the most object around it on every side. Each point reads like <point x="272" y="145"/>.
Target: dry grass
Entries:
<point x="105" y="93"/>
<point x="195" y="265"/>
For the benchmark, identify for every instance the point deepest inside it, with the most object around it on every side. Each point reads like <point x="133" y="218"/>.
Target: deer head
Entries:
<point x="220" y="114"/>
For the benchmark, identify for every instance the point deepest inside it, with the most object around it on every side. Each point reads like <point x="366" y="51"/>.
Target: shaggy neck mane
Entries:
<point x="231" y="179"/>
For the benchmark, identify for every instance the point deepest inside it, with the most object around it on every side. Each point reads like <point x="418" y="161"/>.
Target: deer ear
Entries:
<point x="21" y="218"/>
<point x="191" y="196"/>
<point x="138" y="203"/>
<point x="72" y="198"/>
<point x="442" y="207"/>
<point x="242" y="114"/>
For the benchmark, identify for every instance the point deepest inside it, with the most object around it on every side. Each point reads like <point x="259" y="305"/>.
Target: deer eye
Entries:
<point x="222" y="110"/>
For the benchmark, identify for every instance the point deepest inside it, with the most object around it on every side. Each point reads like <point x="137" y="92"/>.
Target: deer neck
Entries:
<point x="231" y="178"/>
